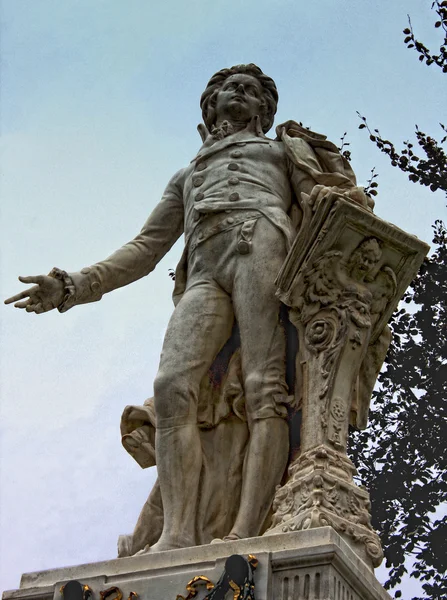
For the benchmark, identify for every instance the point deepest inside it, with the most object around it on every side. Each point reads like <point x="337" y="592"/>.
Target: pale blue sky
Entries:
<point x="99" y="108"/>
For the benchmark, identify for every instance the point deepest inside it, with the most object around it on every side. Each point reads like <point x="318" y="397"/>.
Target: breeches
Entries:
<point x="223" y="286"/>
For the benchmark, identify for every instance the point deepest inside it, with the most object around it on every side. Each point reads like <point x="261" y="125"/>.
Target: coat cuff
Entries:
<point x="80" y="288"/>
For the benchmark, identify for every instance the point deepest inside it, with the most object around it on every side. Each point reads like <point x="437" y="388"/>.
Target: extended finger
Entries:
<point x="32" y="279"/>
<point x="320" y="196"/>
<point x="22" y="304"/>
<point x="315" y="193"/>
<point x="18" y="297"/>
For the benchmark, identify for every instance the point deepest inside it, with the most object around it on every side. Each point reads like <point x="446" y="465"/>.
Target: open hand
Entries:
<point x="46" y="295"/>
<point x="356" y="195"/>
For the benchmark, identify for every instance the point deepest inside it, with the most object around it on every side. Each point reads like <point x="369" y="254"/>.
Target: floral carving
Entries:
<point x="283" y="505"/>
<point x="344" y="296"/>
<point x="322" y="284"/>
<point x="338" y="411"/>
<point x="320" y="333"/>
<point x="320" y="491"/>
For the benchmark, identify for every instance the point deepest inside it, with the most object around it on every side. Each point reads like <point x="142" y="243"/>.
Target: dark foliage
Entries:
<point x="439" y="59"/>
<point x="431" y="169"/>
<point x="343" y="147"/>
<point x="371" y="185"/>
<point x="401" y="457"/>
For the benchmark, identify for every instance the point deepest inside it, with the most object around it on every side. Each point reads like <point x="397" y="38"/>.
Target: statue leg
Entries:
<point x="199" y="327"/>
<point x="264" y="467"/>
<point x="263" y="354"/>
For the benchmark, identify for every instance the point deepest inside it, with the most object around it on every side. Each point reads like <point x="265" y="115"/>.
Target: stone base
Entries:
<point x="320" y="491"/>
<point x="314" y="564"/>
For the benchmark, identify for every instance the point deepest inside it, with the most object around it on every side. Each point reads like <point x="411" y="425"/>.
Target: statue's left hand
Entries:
<point x="354" y="194"/>
<point x="358" y="196"/>
<point x="46" y="295"/>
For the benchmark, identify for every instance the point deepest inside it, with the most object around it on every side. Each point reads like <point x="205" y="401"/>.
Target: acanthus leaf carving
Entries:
<point x="320" y="491"/>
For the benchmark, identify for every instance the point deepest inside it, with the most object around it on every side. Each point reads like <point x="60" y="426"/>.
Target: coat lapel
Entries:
<point x="231" y="140"/>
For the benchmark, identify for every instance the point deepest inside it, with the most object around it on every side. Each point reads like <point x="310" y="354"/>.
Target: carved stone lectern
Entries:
<point x="342" y="283"/>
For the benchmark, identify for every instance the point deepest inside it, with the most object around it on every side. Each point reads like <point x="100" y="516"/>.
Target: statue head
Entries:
<point x="364" y="258"/>
<point x="252" y="83"/>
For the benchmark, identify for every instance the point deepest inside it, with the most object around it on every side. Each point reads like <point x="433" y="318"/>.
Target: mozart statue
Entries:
<point x="221" y="427"/>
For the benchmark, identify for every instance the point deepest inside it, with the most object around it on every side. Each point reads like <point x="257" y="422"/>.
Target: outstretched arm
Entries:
<point x="132" y="261"/>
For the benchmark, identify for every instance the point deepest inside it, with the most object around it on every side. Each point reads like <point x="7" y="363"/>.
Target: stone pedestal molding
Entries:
<point x="315" y="564"/>
<point x="320" y="492"/>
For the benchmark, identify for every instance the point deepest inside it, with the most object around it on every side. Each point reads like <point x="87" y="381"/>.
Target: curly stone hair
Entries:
<point x="209" y="96"/>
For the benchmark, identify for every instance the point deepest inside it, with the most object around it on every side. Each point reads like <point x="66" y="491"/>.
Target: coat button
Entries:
<point x="200" y="235"/>
<point x="199" y="197"/>
<point x="85" y="270"/>
<point x="233" y="166"/>
<point x="233" y="180"/>
<point x="230" y="220"/>
<point x="234" y="196"/>
<point x="195" y="216"/>
<point x="201" y="166"/>
<point x="197" y="181"/>
<point x="243" y="247"/>
<point x="95" y="287"/>
<point x="236" y="154"/>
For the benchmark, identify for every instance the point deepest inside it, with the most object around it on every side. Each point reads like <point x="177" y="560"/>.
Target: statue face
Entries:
<point x="363" y="261"/>
<point x="240" y="98"/>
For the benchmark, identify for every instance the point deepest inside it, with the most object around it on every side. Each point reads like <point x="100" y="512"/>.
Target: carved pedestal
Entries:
<point x="342" y="283"/>
<point x="306" y="565"/>
<point x="320" y="492"/>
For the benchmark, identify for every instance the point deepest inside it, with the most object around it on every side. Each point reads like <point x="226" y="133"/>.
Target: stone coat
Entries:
<point x="223" y="184"/>
<point x="222" y="178"/>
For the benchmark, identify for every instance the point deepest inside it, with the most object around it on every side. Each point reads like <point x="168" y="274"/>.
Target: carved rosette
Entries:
<point x="320" y="492"/>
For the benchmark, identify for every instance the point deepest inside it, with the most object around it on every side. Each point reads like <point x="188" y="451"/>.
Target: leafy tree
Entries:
<point x="431" y="170"/>
<point x="401" y="457"/>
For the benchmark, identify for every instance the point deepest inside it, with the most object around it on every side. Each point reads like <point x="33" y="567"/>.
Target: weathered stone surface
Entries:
<point x="319" y="492"/>
<point x="307" y="565"/>
<point x="231" y="381"/>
